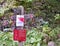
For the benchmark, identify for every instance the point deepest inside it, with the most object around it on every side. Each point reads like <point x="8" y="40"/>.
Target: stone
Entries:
<point x="51" y="43"/>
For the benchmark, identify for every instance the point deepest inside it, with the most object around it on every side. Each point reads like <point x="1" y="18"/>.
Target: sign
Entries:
<point x="20" y="20"/>
<point x="20" y="35"/>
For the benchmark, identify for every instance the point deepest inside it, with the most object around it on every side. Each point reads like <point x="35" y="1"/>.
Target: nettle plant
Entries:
<point x="33" y="37"/>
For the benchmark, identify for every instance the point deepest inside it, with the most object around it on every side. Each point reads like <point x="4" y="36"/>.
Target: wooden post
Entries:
<point x="22" y="13"/>
<point x="22" y="9"/>
<point x="20" y="44"/>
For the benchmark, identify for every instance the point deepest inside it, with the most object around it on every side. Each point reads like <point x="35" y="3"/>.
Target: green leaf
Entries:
<point x="29" y="0"/>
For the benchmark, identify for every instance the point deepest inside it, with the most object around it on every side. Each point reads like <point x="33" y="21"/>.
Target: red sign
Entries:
<point x="20" y="35"/>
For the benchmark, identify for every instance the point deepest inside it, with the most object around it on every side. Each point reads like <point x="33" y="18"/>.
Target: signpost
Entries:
<point x="19" y="32"/>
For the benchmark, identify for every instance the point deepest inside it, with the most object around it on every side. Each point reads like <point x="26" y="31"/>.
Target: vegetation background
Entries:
<point x="43" y="32"/>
